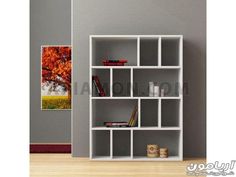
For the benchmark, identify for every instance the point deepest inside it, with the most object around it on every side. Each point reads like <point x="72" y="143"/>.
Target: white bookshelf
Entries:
<point x="157" y="58"/>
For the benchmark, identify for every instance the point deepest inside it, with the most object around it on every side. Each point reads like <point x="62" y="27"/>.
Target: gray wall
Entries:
<point x="187" y="17"/>
<point x="50" y="24"/>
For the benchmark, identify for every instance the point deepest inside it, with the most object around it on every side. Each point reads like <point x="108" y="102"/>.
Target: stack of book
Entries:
<point x="120" y="62"/>
<point x="132" y="121"/>
<point x="98" y="86"/>
<point x="116" y="124"/>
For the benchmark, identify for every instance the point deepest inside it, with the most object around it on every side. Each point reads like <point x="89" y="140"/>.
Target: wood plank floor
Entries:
<point x="63" y="165"/>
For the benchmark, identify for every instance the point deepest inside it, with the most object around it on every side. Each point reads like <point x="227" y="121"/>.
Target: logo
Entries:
<point x="213" y="169"/>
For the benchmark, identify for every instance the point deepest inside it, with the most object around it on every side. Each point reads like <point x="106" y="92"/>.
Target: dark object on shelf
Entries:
<point x="120" y="62"/>
<point x="116" y="124"/>
<point x="98" y="86"/>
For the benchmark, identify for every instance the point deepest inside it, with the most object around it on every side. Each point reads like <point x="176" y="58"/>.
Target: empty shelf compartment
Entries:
<point x="149" y="51"/>
<point x="121" y="143"/>
<point x="170" y="112"/>
<point x="101" y="144"/>
<point x="149" y="113"/>
<point x="121" y="82"/>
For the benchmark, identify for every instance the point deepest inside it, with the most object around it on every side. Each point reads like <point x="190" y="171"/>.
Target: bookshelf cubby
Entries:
<point x="106" y="110"/>
<point x="104" y="77"/>
<point x="121" y="143"/>
<point x="149" y="113"/>
<point x="121" y="82"/>
<point x="101" y="143"/>
<point x="151" y="58"/>
<point x="148" y="51"/>
<point x="166" y="78"/>
<point x="168" y="138"/>
<point x="170" y="51"/>
<point x="170" y="118"/>
<point x="114" y="48"/>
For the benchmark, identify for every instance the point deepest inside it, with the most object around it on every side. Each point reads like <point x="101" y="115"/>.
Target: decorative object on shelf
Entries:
<point x="98" y="86"/>
<point x="162" y="92"/>
<point x="120" y="62"/>
<point x="56" y="77"/>
<point x="163" y="152"/>
<point x="156" y="91"/>
<point x="151" y="89"/>
<point x="116" y="124"/>
<point x="152" y="150"/>
<point x="134" y="116"/>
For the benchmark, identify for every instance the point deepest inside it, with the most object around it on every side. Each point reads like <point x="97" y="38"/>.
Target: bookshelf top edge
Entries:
<point x="135" y="36"/>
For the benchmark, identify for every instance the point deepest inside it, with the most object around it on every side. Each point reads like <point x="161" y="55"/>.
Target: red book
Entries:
<point x="123" y="60"/>
<point x="98" y="86"/>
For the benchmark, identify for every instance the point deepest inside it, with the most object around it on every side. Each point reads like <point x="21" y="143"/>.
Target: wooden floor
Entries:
<point x="63" y="165"/>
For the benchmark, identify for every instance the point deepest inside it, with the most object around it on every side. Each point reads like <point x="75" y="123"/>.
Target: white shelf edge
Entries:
<point x="135" y="36"/>
<point x="138" y="51"/>
<point x="111" y="82"/>
<point x="136" y="128"/>
<point x="131" y="143"/>
<point x="159" y="113"/>
<point x="168" y="98"/>
<point x="135" y="158"/>
<point x="135" y="98"/>
<point x="139" y="112"/>
<point x="90" y="102"/>
<point x="107" y="98"/>
<point x="144" y="158"/>
<point x="181" y="101"/>
<point x="159" y="52"/>
<point x="122" y="158"/>
<point x="111" y="143"/>
<point x="136" y="67"/>
<point x="131" y="81"/>
<point x="157" y="128"/>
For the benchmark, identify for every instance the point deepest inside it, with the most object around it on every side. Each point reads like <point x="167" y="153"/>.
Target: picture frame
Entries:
<point x="55" y="81"/>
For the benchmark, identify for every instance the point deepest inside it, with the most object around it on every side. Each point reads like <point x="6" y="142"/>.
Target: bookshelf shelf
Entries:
<point x="139" y="158"/>
<point x="151" y="58"/>
<point x="104" y="98"/>
<point x="163" y="98"/>
<point x="135" y="67"/>
<point x="145" y="158"/>
<point x="136" y="128"/>
<point x="121" y="158"/>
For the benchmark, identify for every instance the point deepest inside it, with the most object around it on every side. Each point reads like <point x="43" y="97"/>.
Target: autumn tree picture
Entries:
<point x="56" y="77"/>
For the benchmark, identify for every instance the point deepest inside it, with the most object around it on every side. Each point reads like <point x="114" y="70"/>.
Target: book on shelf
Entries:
<point x="120" y="62"/>
<point x="134" y="117"/>
<point x="116" y="124"/>
<point x="113" y="64"/>
<point x="98" y="86"/>
<point x="115" y="61"/>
